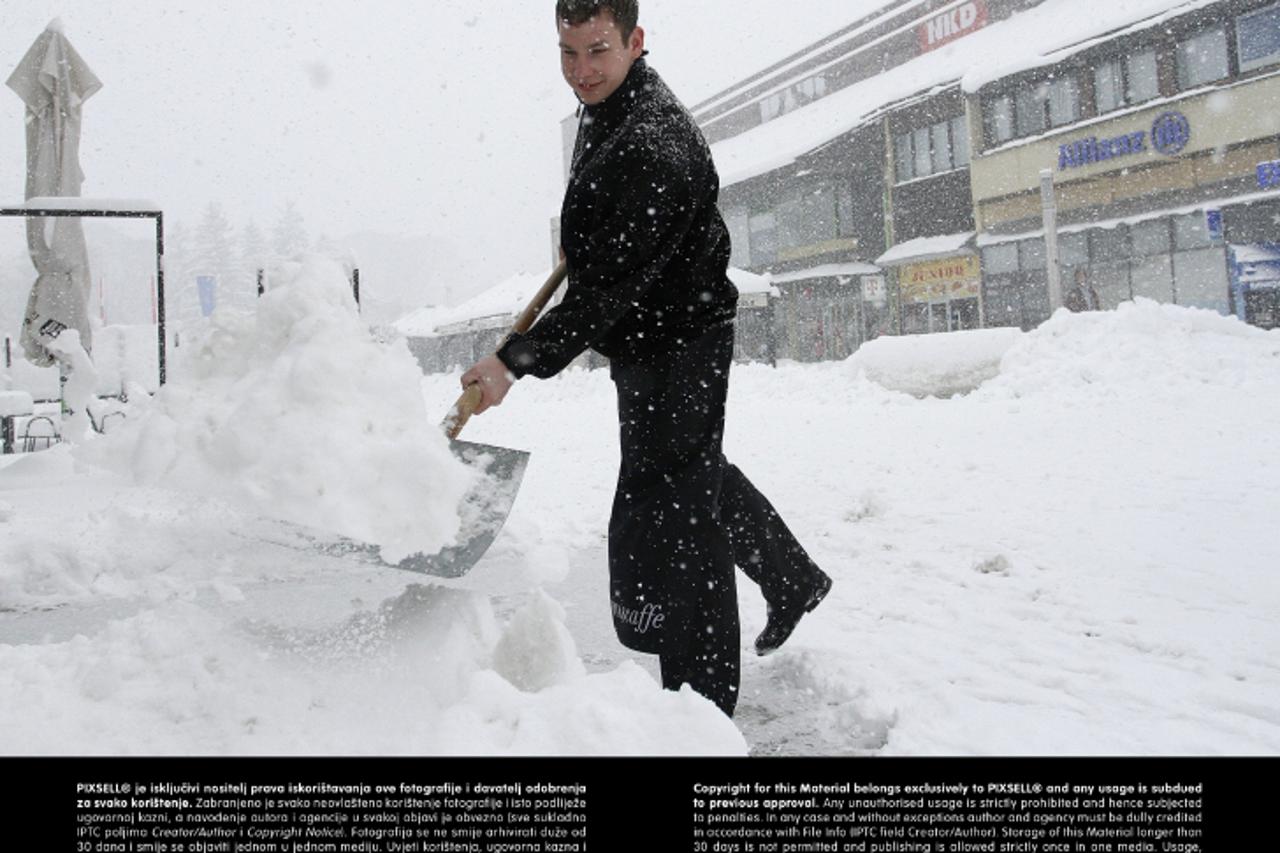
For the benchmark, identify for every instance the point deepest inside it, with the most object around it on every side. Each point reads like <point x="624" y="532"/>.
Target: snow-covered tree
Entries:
<point x="289" y="236"/>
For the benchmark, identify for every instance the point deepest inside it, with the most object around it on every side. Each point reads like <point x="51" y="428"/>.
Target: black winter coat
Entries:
<point x="646" y="248"/>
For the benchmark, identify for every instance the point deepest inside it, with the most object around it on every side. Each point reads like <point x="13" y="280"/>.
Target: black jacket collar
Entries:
<point x="615" y="108"/>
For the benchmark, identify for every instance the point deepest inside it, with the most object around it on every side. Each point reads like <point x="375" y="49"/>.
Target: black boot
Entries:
<point x="783" y="619"/>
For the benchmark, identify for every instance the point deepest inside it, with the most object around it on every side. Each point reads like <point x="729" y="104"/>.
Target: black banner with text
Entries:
<point x="507" y="805"/>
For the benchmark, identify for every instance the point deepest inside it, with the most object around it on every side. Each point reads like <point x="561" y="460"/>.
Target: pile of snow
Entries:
<point x="1140" y="345"/>
<point x="296" y="411"/>
<point x="934" y="365"/>
<point x="428" y="671"/>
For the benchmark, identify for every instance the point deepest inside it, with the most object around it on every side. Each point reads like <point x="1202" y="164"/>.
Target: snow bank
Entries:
<point x="1140" y="347"/>
<point x="934" y="365"/>
<point x="295" y="410"/>
<point x="414" y="675"/>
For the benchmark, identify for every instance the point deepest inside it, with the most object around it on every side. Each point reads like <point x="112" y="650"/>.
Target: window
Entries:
<point x="1108" y="86"/>
<point x="1121" y="82"/>
<point x="920" y="142"/>
<point x="1142" y="78"/>
<point x="1258" y="37"/>
<point x="931" y="150"/>
<point x="764" y="238"/>
<point x="1150" y="238"/>
<point x="736" y="219"/>
<point x="941" y="147"/>
<point x="1110" y="244"/>
<point x="1191" y="232"/>
<point x="1031" y="111"/>
<point x="1073" y="250"/>
<point x="1000" y="258"/>
<point x="999" y="119"/>
<point x="903" y="160"/>
<point x="960" y="141"/>
<point x="1031" y="254"/>
<point x="1202" y="58"/>
<point x="796" y="95"/>
<point x="1051" y="103"/>
<point x="1064" y="101"/>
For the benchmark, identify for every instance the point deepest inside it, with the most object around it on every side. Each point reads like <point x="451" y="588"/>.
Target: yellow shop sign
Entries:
<point x="938" y="281"/>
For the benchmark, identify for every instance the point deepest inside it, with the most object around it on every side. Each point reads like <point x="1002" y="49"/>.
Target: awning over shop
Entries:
<point x="825" y="271"/>
<point x="928" y="248"/>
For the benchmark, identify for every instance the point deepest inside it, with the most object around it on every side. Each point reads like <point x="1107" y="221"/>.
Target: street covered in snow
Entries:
<point x="1062" y="544"/>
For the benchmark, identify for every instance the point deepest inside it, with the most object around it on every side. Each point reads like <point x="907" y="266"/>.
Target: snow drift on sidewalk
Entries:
<point x="296" y="411"/>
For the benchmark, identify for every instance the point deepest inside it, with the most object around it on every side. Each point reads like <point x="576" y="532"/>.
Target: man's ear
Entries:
<point x="636" y="45"/>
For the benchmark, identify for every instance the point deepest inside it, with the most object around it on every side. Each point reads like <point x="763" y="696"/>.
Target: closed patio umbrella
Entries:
<point x="54" y="82"/>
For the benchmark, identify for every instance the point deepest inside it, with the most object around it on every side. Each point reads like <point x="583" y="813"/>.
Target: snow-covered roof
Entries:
<point x="749" y="282"/>
<point x="924" y="248"/>
<point x="1043" y="35"/>
<point x="499" y="305"/>
<point x="825" y="271"/>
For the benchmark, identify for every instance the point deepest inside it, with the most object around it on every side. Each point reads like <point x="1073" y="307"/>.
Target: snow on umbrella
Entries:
<point x="54" y="82"/>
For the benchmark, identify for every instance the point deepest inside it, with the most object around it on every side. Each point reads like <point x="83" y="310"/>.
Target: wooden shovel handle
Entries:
<point x="540" y="299"/>
<point x="472" y="396"/>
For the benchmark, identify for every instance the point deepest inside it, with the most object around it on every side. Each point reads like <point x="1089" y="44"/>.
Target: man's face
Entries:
<point x="594" y="58"/>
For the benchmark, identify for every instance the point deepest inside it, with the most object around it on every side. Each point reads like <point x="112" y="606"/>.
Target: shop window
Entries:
<point x="1121" y="82"/>
<point x="1031" y="255"/>
<point x="930" y="150"/>
<point x="1151" y="238"/>
<point x="1258" y="37"/>
<point x="1202" y="58"/>
<point x="1191" y="231"/>
<point x="1109" y="244"/>
<point x="999" y="119"/>
<point x="1073" y="250"/>
<point x="1001" y="258"/>
<point x="1200" y="279"/>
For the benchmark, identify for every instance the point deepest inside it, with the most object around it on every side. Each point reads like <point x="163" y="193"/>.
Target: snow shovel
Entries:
<point x="485" y="507"/>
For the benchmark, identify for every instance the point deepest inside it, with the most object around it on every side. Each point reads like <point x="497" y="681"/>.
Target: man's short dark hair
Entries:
<point x="626" y="13"/>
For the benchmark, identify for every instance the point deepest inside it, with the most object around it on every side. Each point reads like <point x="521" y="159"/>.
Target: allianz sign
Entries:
<point x="1169" y="134"/>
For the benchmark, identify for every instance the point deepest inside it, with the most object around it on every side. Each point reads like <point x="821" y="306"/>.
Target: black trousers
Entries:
<point x="683" y="517"/>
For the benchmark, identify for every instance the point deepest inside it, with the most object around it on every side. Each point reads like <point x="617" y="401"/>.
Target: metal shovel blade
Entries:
<point x="484" y="509"/>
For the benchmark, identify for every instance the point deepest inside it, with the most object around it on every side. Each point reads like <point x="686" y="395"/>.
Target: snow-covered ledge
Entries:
<point x="102" y="205"/>
<point x="15" y="404"/>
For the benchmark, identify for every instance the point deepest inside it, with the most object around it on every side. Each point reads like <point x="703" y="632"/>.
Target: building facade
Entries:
<point x="888" y="179"/>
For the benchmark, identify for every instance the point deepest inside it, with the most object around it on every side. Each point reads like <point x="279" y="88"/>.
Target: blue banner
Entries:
<point x="207" y="286"/>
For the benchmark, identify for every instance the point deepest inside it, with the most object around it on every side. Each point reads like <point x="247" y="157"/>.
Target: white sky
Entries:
<point x="414" y="118"/>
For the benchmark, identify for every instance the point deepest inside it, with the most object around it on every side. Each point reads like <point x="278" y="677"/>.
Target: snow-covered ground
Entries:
<point x="1075" y="557"/>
